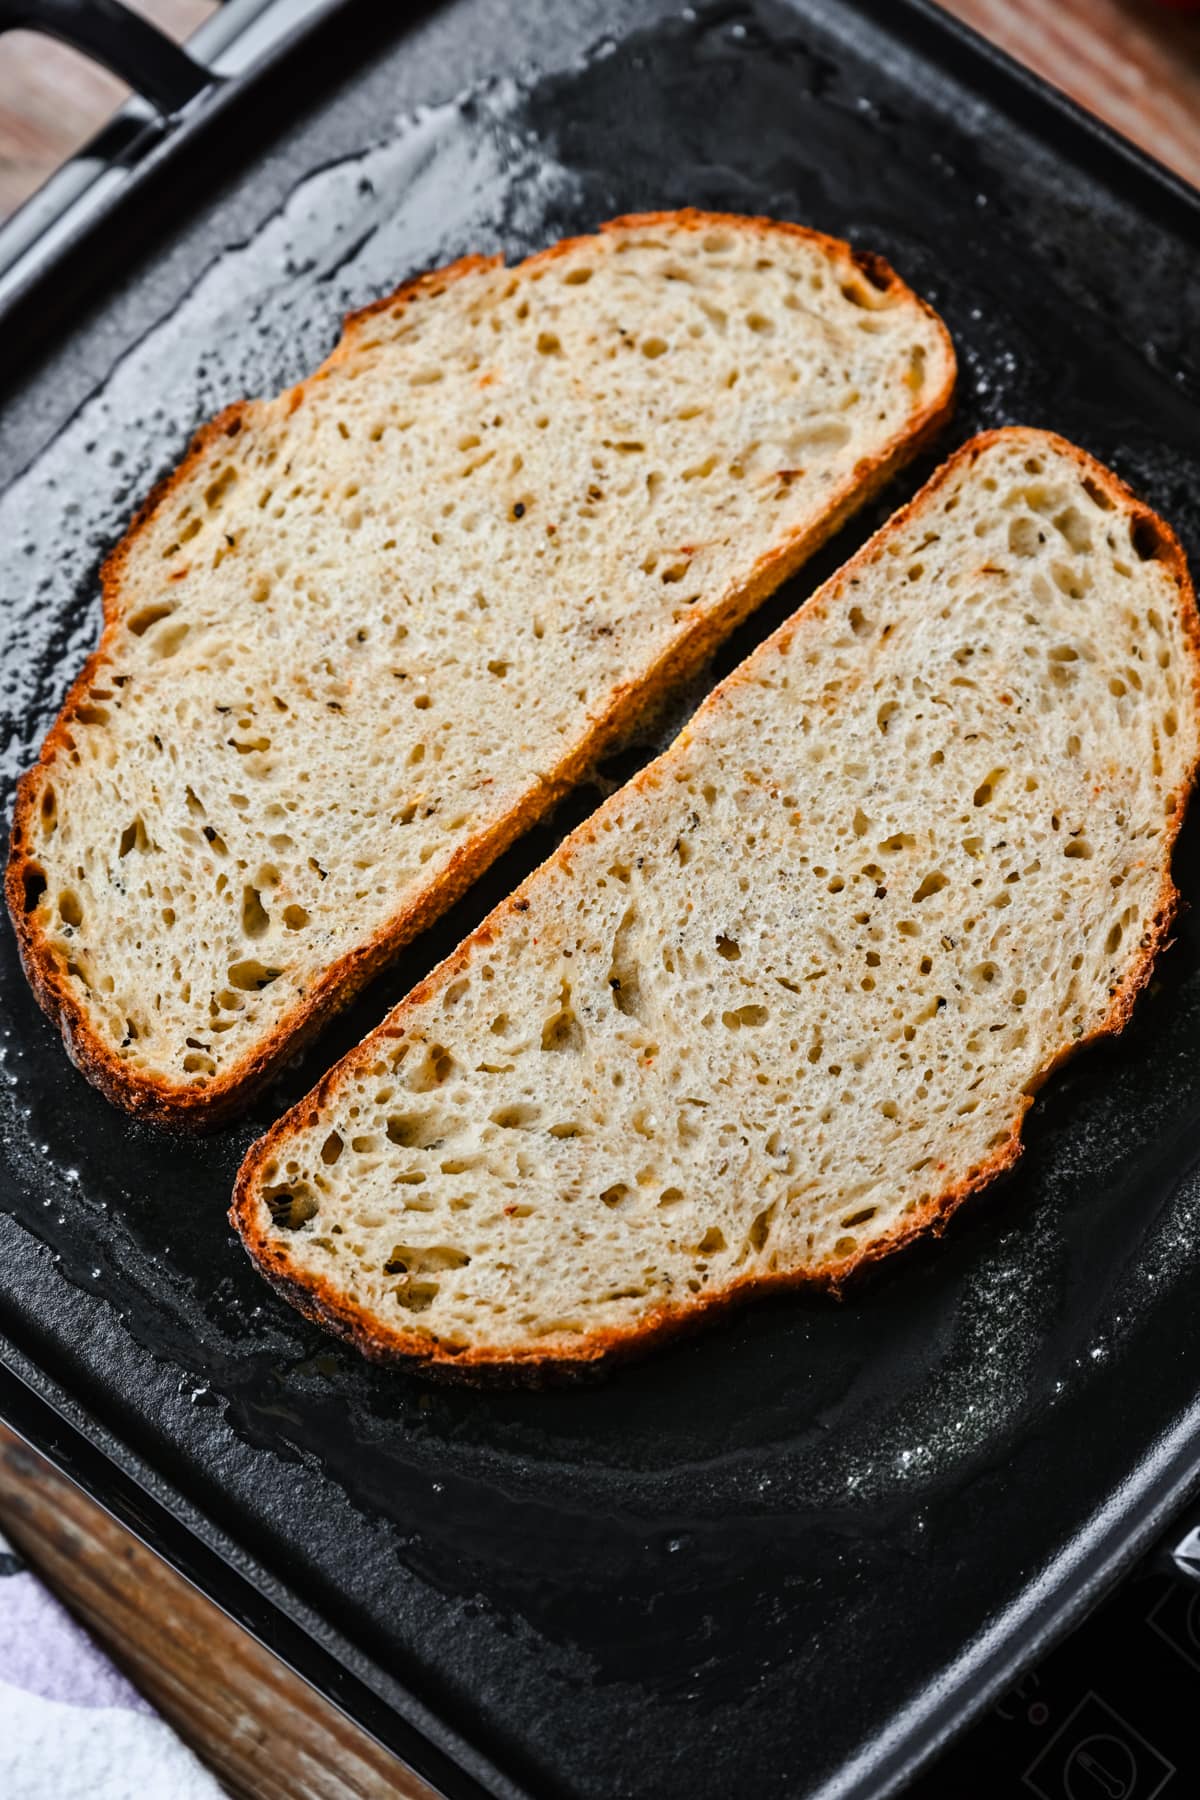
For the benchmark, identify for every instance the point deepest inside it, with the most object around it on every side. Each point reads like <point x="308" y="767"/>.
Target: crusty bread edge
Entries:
<point x="187" y="1106"/>
<point x="572" y="1357"/>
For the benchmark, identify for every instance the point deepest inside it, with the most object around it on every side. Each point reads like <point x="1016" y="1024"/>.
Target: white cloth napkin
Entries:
<point x="71" y="1726"/>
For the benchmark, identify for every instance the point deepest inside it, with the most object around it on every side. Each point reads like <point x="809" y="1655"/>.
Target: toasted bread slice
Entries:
<point x="369" y="630"/>
<point x="783" y="1002"/>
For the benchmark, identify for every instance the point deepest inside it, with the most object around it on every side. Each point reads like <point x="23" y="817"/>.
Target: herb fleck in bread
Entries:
<point x="784" y="1000"/>
<point x="370" y="629"/>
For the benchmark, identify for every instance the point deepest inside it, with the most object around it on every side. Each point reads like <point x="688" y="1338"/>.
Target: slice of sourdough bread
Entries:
<point x="783" y="1001"/>
<point x="369" y="630"/>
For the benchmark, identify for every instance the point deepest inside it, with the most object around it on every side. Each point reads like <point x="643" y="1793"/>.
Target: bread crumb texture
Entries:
<point x="786" y="997"/>
<point x="371" y="627"/>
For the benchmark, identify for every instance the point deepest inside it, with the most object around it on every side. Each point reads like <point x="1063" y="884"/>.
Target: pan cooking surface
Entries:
<point x="726" y="1569"/>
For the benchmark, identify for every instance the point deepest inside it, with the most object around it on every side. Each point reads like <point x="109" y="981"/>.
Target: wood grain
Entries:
<point x="263" y="1731"/>
<point x="1134" y="64"/>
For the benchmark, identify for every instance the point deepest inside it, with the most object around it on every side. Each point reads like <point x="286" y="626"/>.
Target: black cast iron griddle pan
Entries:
<point x="791" y="1556"/>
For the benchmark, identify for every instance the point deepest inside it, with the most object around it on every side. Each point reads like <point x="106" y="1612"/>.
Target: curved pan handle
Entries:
<point x="124" y="42"/>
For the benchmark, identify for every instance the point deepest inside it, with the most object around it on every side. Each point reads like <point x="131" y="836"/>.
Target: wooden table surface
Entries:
<point x="1134" y="63"/>
<point x="263" y="1731"/>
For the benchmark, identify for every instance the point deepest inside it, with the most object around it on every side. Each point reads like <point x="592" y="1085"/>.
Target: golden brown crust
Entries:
<point x="191" y="1106"/>
<point x="317" y="1299"/>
